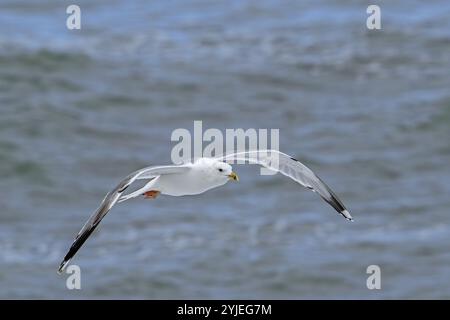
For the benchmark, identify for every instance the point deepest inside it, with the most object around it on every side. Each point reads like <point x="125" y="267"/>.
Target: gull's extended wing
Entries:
<point x="110" y="200"/>
<point x="292" y="168"/>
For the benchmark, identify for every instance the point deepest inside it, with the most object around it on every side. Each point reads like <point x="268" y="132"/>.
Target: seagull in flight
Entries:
<point x="196" y="177"/>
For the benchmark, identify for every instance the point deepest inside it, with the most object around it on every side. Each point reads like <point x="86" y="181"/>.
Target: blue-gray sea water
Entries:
<point x="368" y="110"/>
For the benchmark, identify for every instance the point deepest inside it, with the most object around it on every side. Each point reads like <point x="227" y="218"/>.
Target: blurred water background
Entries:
<point x="368" y="110"/>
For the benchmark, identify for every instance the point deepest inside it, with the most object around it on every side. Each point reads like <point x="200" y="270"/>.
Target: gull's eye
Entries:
<point x="220" y="170"/>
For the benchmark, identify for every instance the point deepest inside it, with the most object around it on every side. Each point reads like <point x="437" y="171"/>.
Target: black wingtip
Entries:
<point x="76" y="245"/>
<point x="123" y="188"/>
<point x="333" y="201"/>
<point x="62" y="266"/>
<point x="347" y="215"/>
<point x="338" y="206"/>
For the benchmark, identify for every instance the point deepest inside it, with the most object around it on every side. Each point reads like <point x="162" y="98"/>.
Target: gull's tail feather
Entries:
<point x="138" y="192"/>
<point x="134" y="194"/>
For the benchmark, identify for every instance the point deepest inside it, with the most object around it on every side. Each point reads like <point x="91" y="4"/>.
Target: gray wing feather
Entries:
<point x="294" y="169"/>
<point x="110" y="200"/>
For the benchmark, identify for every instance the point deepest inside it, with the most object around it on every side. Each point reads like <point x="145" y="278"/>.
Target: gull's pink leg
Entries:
<point x="152" y="194"/>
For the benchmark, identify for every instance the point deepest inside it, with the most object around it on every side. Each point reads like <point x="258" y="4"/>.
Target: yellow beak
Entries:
<point x="233" y="176"/>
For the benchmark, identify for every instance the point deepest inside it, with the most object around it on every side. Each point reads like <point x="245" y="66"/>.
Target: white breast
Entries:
<point x="189" y="183"/>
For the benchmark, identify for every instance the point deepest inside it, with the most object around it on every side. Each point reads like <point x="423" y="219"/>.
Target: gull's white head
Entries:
<point x="217" y="171"/>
